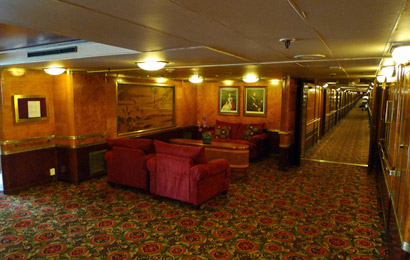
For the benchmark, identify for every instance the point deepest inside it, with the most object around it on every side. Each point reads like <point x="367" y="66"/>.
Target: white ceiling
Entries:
<point x="217" y="39"/>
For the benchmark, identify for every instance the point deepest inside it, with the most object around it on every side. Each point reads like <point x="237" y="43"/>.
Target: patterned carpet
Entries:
<point x="347" y="142"/>
<point x="316" y="211"/>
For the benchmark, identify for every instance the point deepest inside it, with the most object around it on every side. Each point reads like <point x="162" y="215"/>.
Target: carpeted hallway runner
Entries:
<point x="347" y="142"/>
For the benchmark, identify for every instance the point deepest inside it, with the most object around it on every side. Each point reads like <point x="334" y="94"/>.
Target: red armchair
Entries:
<point x="183" y="173"/>
<point x="126" y="162"/>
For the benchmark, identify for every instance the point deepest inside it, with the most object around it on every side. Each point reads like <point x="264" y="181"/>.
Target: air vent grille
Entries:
<point x="52" y="52"/>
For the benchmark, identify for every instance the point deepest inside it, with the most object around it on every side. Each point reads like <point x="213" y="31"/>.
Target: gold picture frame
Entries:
<point x="228" y="101"/>
<point x="254" y="101"/>
<point x="29" y="108"/>
<point x="144" y="107"/>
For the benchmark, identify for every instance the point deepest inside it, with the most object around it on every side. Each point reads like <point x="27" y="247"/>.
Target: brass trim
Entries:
<point x="313" y="121"/>
<point x="27" y="150"/>
<point x="48" y="138"/>
<point x="285" y="145"/>
<point x="344" y="163"/>
<point x="78" y="146"/>
<point x="81" y="137"/>
<point x="273" y="130"/>
<point x="286" y="132"/>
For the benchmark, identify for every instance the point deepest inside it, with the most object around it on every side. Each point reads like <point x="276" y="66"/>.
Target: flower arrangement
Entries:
<point x="204" y="128"/>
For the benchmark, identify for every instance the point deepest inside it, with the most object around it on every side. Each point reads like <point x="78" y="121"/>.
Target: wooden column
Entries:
<point x="287" y="152"/>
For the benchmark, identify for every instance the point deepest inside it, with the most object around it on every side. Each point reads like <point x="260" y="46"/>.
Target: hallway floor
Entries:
<point x="347" y="142"/>
<point x="316" y="211"/>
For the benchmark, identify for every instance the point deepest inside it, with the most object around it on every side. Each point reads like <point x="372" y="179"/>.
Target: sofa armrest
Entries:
<point x="202" y="171"/>
<point x="259" y="137"/>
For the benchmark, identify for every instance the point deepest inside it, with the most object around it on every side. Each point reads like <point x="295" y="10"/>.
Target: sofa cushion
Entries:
<point x="234" y="126"/>
<point x="196" y="153"/>
<point x="260" y="126"/>
<point x="135" y="143"/>
<point x="240" y="132"/>
<point x="223" y="132"/>
<point x="250" y="131"/>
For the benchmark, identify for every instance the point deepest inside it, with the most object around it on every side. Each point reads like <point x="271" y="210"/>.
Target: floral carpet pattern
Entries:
<point x="347" y="142"/>
<point x="318" y="211"/>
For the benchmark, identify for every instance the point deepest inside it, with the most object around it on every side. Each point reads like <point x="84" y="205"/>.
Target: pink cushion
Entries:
<point x="196" y="153"/>
<point x="144" y="144"/>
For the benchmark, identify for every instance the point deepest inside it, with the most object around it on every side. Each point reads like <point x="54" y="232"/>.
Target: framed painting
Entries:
<point x="255" y="101"/>
<point x="144" y="107"/>
<point x="228" y="101"/>
<point x="29" y="108"/>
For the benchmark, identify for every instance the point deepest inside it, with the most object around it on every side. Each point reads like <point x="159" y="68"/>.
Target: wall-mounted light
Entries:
<point x="151" y="65"/>
<point x="250" y="79"/>
<point x="161" y="80"/>
<point x="388" y="71"/>
<point x="54" y="71"/>
<point x="228" y="82"/>
<point x="326" y="85"/>
<point x="17" y="72"/>
<point x="381" y="78"/>
<point x="401" y="54"/>
<point x="195" y="79"/>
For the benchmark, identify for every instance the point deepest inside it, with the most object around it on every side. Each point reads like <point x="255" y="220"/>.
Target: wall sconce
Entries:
<point x="151" y="65"/>
<point x="401" y="54"/>
<point x="195" y="79"/>
<point x="54" y="71"/>
<point x="381" y="78"/>
<point x="388" y="71"/>
<point x="250" y="79"/>
<point x="161" y="80"/>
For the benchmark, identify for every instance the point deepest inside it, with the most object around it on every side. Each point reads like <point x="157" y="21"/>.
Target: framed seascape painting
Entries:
<point x="255" y="101"/>
<point x="144" y="107"/>
<point x="228" y="101"/>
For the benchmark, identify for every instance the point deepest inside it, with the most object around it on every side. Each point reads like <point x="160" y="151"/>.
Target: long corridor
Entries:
<point x="347" y="142"/>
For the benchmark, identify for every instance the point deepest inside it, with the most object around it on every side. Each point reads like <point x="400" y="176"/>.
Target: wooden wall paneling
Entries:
<point x="23" y="170"/>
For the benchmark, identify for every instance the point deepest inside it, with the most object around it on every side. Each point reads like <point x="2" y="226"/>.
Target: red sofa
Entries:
<point x="250" y="134"/>
<point x="126" y="162"/>
<point x="183" y="173"/>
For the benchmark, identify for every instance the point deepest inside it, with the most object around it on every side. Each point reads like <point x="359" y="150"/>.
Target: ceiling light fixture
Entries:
<point x="401" y="54"/>
<point x="309" y="56"/>
<point x="54" y="71"/>
<point x="151" y="65"/>
<point x="161" y="80"/>
<point x="250" y="79"/>
<point x="195" y="79"/>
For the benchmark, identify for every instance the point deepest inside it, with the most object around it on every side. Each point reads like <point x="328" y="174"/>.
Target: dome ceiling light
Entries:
<point x="151" y="65"/>
<point x="54" y="71"/>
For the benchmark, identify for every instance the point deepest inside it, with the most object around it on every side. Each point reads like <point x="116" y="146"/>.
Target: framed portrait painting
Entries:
<point x="228" y="101"/>
<point x="255" y="101"/>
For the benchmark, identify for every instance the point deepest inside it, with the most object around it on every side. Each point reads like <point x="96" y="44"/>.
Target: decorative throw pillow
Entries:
<point x="250" y="131"/>
<point x="223" y="132"/>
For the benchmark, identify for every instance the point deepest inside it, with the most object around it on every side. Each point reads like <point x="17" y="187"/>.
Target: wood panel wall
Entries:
<point x="82" y="114"/>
